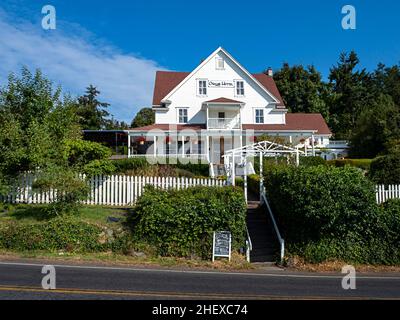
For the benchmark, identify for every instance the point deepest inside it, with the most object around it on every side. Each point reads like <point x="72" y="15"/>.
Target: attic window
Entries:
<point x="219" y="63"/>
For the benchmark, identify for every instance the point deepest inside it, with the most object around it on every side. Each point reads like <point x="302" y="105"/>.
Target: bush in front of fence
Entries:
<point x="386" y="169"/>
<point x="181" y="222"/>
<point x="67" y="234"/>
<point x="330" y="213"/>
<point x="363" y="164"/>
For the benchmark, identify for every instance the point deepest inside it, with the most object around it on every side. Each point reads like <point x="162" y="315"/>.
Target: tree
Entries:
<point x="144" y="117"/>
<point x="40" y="134"/>
<point x="351" y="94"/>
<point x="91" y="112"/>
<point x="302" y="89"/>
<point x="377" y="129"/>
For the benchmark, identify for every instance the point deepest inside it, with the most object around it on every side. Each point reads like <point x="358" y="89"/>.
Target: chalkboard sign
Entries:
<point x="222" y="244"/>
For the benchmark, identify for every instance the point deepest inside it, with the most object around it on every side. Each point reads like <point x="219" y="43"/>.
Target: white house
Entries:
<point x="217" y="107"/>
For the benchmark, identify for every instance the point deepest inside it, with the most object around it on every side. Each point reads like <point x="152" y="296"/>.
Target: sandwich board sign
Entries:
<point x="222" y="242"/>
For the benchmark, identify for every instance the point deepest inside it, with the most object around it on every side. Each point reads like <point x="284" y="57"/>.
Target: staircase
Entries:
<point x="262" y="234"/>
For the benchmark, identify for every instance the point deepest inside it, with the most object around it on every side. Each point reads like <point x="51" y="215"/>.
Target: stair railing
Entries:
<point x="249" y="245"/>
<point x="278" y="234"/>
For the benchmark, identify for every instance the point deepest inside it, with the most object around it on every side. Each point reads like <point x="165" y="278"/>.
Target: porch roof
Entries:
<point x="223" y="100"/>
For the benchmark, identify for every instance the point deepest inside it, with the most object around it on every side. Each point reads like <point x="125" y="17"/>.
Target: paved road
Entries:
<point x="23" y="281"/>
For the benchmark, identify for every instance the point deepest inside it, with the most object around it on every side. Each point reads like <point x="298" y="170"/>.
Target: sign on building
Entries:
<point x="220" y="84"/>
<point x="222" y="242"/>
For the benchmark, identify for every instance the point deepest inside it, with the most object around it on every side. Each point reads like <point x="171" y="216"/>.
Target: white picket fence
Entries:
<point x="384" y="193"/>
<point x="115" y="190"/>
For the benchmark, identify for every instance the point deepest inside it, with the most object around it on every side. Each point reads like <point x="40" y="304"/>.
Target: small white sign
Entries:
<point x="220" y="84"/>
<point x="222" y="243"/>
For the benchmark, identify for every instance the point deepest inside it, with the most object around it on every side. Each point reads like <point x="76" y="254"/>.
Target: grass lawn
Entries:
<point x="35" y="213"/>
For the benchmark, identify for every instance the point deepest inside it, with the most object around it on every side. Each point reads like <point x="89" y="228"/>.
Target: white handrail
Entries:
<point x="278" y="234"/>
<point x="249" y="245"/>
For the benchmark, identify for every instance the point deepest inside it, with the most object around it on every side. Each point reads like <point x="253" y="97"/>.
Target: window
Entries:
<point x="219" y="63"/>
<point x="240" y="88"/>
<point x="202" y="87"/>
<point x="259" y="116"/>
<point x="182" y="115"/>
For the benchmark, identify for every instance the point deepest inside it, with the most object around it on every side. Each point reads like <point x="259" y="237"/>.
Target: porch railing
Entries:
<point x="223" y="123"/>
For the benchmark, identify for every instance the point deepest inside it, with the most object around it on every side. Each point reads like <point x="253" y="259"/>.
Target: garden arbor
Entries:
<point x="241" y="156"/>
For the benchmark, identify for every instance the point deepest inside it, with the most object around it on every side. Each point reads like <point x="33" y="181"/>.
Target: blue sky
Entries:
<point x="117" y="45"/>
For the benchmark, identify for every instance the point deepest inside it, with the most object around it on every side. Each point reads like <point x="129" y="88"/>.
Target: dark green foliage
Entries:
<point x="130" y="164"/>
<point x="91" y="112"/>
<point x="144" y="117"/>
<point x="67" y="234"/>
<point x="357" y="163"/>
<point x="386" y="169"/>
<point x="302" y="89"/>
<point x="312" y="161"/>
<point x="377" y="127"/>
<point x="330" y="213"/>
<point x="197" y="169"/>
<point x="351" y="94"/>
<point x="181" y="222"/>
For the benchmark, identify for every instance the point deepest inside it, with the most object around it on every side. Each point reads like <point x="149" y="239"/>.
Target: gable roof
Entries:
<point x="166" y="81"/>
<point x="295" y="122"/>
<point x="188" y="75"/>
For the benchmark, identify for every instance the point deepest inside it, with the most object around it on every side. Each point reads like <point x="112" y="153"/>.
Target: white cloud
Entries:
<point x="75" y="61"/>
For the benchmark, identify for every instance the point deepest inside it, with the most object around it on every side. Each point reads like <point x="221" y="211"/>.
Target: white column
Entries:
<point x="245" y="178"/>
<point x="261" y="177"/>
<point x="312" y="145"/>
<point x="129" y="145"/>
<point x="233" y="174"/>
<point x="297" y="157"/>
<point x="208" y="148"/>
<point x="183" y="146"/>
<point x="155" y="146"/>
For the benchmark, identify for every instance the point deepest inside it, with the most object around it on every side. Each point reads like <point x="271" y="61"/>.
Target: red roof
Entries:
<point x="166" y="81"/>
<point x="171" y="127"/>
<point x="223" y="100"/>
<point x="295" y="122"/>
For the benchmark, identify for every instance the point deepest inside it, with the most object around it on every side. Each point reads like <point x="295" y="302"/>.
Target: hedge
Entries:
<point x="181" y="222"/>
<point x="330" y="213"/>
<point x="63" y="233"/>
<point x="312" y="161"/>
<point x="358" y="163"/>
<point x="386" y="169"/>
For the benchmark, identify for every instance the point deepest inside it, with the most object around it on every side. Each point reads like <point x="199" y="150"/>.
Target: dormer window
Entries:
<point x="219" y="63"/>
<point x="202" y="87"/>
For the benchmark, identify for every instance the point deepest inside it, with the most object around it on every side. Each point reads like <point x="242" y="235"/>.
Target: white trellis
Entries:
<point x="261" y="149"/>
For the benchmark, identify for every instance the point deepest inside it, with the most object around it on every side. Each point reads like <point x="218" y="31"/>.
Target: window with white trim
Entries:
<point x="202" y="87"/>
<point x="259" y="116"/>
<point x="219" y="63"/>
<point x="182" y="115"/>
<point x="239" y="88"/>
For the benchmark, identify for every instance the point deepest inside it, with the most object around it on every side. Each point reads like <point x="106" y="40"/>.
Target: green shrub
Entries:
<point x="253" y="183"/>
<point x="61" y="234"/>
<point x="312" y="161"/>
<point x="130" y="164"/>
<point x="81" y="152"/>
<point x="140" y="166"/>
<point x="386" y="169"/>
<point x="329" y="213"/>
<point x="363" y="164"/>
<point x="181" y="222"/>
<point x="98" y="167"/>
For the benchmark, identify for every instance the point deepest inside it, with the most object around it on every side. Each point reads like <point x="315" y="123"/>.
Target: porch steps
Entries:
<point x="264" y="241"/>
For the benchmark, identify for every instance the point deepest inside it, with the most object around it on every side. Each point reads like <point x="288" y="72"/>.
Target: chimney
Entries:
<point x="270" y="73"/>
